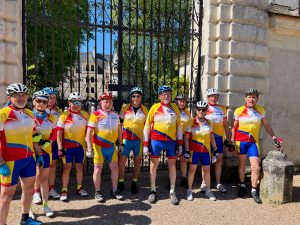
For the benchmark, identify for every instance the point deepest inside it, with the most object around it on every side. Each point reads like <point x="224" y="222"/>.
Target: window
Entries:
<point x="92" y="79"/>
<point x="87" y="67"/>
<point x="87" y="90"/>
<point x="99" y="70"/>
<point x="86" y="79"/>
<point x="92" y="90"/>
<point x="92" y="68"/>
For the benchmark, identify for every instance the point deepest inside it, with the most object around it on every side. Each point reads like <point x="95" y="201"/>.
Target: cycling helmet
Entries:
<point x="136" y="90"/>
<point x="251" y="91"/>
<point x="75" y="96"/>
<point x="106" y="95"/>
<point x="16" y="88"/>
<point x="50" y="90"/>
<point x="163" y="88"/>
<point x="212" y="91"/>
<point x="180" y="97"/>
<point x="43" y="95"/>
<point x="202" y="105"/>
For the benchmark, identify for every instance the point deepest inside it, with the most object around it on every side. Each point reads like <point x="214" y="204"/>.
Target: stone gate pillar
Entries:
<point x="11" y="69"/>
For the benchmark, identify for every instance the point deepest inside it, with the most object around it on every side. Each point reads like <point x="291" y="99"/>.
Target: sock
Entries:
<point x="78" y="186"/>
<point x="114" y="189"/>
<point x="37" y="190"/>
<point x="45" y="204"/>
<point x="153" y="188"/>
<point x="51" y="187"/>
<point x="172" y="189"/>
<point x="253" y="189"/>
<point x="121" y="180"/>
<point x="64" y="189"/>
<point x="243" y="184"/>
<point x="134" y="179"/>
<point x="25" y="217"/>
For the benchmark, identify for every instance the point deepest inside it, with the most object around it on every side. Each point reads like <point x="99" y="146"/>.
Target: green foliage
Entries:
<point x="54" y="30"/>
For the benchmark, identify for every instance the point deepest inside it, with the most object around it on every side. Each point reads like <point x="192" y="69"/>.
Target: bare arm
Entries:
<point x="60" y="139"/>
<point x="233" y="130"/>
<point x="120" y="134"/>
<point x="89" y="135"/>
<point x="213" y="141"/>
<point x="187" y="141"/>
<point x="226" y="127"/>
<point x="268" y="127"/>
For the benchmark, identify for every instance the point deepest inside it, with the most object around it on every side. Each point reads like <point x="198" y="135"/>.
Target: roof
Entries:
<point x="285" y="7"/>
<point x="100" y="59"/>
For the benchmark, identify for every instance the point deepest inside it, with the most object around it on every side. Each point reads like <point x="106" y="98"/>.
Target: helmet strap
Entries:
<point x="17" y="108"/>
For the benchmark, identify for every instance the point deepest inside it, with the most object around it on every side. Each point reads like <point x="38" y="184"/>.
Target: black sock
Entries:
<point x="25" y="216"/>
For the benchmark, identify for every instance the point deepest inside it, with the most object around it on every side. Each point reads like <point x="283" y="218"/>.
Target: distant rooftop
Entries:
<point x="285" y="7"/>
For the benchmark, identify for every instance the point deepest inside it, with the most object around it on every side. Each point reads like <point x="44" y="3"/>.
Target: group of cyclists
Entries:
<point x="32" y="141"/>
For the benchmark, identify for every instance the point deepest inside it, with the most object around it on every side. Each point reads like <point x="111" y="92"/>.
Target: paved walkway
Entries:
<point x="136" y="209"/>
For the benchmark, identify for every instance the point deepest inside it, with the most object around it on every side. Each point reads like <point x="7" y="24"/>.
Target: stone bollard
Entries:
<point x="277" y="183"/>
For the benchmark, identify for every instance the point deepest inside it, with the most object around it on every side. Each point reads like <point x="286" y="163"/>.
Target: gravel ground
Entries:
<point x="136" y="210"/>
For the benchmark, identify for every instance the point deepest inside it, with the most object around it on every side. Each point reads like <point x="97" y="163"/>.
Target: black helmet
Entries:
<point x="180" y="97"/>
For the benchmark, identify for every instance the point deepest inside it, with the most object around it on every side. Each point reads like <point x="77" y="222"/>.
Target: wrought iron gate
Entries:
<point x="92" y="46"/>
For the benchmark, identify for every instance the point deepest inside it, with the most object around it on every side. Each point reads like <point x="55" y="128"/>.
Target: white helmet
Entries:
<point x="41" y="95"/>
<point x="75" y="96"/>
<point x="16" y="88"/>
<point x="212" y="91"/>
<point x="201" y="105"/>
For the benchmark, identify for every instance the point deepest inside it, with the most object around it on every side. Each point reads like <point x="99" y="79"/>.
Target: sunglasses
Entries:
<point x="76" y="102"/>
<point x="135" y="96"/>
<point x="202" y="110"/>
<point x="41" y="101"/>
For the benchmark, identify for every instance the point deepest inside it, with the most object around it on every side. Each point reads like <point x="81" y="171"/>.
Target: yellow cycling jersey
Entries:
<point x="216" y="115"/>
<point x="17" y="128"/>
<point x="105" y="125"/>
<point x="163" y="123"/>
<point x="249" y="120"/>
<point x="46" y="127"/>
<point x="74" y="127"/>
<point x="55" y="112"/>
<point x="133" y="124"/>
<point x="199" y="135"/>
<point x="185" y="118"/>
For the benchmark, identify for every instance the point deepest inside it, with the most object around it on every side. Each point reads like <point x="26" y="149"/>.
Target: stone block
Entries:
<point x="224" y="13"/>
<point x="2" y="9"/>
<point x="210" y="81"/>
<point x="13" y="74"/>
<point x="222" y="49"/>
<point x="2" y="95"/>
<point x="12" y="53"/>
<point x="244" y="67"/>
<point x="214" y="2"/>
<point x="227" y="2"/>
<point x="212" y="32"/>
<point x="221" y="82"/>
<point x="248" y="50"/>
<point x="12" y="10"/>
<point x="240" y="84"/>
<point x="223" y="31"/>
<point x="2" y="73"/>
<point x="249" y="33"/>
<point x="243" y="15"/>
<point x="222" y="66"/>
<point x="2" y="29"/>
<point x="211" y="66"/>
<point x="2" y="51"/>
<point x="277" y="182"/>
<point x="212" y="49"/>
<point x="235" y="100"/>
<point x="12" y="34"/>
<point x="213" y="14"/>
<point x="260" y="4"/>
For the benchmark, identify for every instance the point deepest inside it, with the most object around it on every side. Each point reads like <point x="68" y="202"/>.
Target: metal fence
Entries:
<point x="112" y="45"/>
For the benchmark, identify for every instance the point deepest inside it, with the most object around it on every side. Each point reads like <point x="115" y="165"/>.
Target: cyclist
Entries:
<point x="217" y="115"/>
<point x="54" y="110"/>
<point x="198" y="139"/>
<point x="133" y="117"/>
<point x="45" y="125"/>
<point x="71" y="127"/>
<point x="245" y="135"/>
<point x="104" y="129"/>
<point x="163" y="128"/>
<point x="185" y="118"/>
<point x="19" y="152"/>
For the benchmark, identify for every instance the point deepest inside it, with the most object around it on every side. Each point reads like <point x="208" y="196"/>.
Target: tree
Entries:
<point x="55" y="30"/>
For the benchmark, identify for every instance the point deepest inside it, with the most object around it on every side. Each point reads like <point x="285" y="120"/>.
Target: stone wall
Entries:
<point x="10" y="44"/>
<point x="244" y="46"/>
